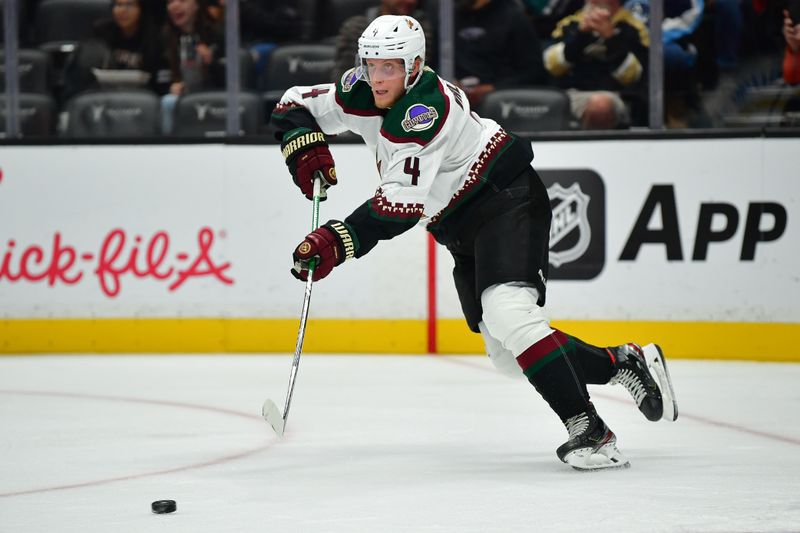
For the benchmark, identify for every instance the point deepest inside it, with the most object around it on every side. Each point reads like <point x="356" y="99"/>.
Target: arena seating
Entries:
<point x="298" y="64"/>
<point x="528" y="110"/>
<point x="770" y="106"/>
<point x="37" y="115"/>
<point x="204" y="114"/>
<point x="33" y="69"/>
<point x="290" y="65"/>
<point x="59" y="24"/>
<point x="117" y="113"/>
<point x="247" y="72"/>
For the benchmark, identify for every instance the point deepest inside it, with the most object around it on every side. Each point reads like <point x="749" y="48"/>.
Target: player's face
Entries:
<point x="386" y="78"/>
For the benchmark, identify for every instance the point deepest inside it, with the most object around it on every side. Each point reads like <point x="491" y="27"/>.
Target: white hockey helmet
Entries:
<point x="392" y="37"/>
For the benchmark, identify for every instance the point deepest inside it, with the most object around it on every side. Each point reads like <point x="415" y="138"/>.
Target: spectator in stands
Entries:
<point x="681" y="20"/>
<point x="682" y="97"/>
<point x="791" y="55"/>
<point x="263" y="24"/>
<point x="194" y="45"/>
<point x="599" y="52"/>
<point x="758" y="92"/>
<point x="496" y="48"/>
<point x="728" y="27"/>
<point x="545" y="14"/>
<point x="352" y="28"/>
<point x="127" y="40"/>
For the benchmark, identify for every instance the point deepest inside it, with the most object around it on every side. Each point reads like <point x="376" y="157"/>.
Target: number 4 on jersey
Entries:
<point x="412" y="169"/>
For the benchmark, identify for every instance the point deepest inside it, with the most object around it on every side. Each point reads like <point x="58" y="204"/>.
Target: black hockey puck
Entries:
<point x="163" y="506"/>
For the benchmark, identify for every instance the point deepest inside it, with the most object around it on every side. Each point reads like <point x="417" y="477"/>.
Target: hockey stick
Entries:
<point x="270" y="411"/>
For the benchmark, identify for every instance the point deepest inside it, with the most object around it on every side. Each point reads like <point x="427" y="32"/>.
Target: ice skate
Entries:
<point x="591" y="445"/>
<point x="633" y="373"/>
<point x="658" y="368"/>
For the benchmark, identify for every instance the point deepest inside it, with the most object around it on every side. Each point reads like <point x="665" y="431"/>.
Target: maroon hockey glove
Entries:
<point x="328" y="246"/>
<point x="306" y="151"/>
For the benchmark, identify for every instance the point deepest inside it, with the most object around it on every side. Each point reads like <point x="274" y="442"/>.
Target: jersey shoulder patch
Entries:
<point x="354" y="96"/>
<point x="420" y="114"/>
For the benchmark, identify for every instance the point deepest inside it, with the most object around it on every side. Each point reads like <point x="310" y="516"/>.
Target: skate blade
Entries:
<point x="657" y="364"/>
<point x="606" y="457"/>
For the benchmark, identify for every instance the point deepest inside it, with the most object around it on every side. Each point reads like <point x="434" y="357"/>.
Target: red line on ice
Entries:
<point x="211" y="462"/>
<point x="682" y="415"/>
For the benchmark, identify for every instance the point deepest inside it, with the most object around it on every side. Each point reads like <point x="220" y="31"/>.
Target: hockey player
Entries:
<point x="471" y="183"/>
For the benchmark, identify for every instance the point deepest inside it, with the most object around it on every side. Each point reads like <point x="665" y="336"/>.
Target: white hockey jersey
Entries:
<point x="432" y="152"/>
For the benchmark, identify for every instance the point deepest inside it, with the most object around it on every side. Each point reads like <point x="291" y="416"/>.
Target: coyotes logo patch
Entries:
<point x="419" y="117"/>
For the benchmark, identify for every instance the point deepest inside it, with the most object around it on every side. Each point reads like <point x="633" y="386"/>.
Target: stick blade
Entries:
<point x="273" y="415"/>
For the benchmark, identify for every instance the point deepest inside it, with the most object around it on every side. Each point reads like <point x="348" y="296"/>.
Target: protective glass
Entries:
<point x="376" y="70"/>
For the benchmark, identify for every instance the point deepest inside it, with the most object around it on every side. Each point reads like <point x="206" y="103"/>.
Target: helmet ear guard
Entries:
<point x="392" y="37"/>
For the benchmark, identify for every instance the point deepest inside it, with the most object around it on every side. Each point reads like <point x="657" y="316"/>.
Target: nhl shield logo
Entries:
<point x="570" y="232"/>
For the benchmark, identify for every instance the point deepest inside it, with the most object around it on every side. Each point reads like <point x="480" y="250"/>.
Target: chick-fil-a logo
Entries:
<point x="119" y="256"/>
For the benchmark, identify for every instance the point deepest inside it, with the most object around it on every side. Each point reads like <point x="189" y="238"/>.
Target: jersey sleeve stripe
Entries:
<point x="380" y="207"/>
<point x="400" y="140"/>
<point x="357" y="112"/>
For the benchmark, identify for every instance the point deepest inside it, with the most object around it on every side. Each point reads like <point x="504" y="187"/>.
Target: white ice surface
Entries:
<point x="381" y="444"/>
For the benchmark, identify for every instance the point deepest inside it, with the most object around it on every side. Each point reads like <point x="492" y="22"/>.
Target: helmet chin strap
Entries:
<point x="408" y="85"/>
<point x="407" y="81"/>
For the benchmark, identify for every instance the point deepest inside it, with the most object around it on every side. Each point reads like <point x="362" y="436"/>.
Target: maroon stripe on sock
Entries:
<point x="611" y="355"/>
<point x="541" y="349"/>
